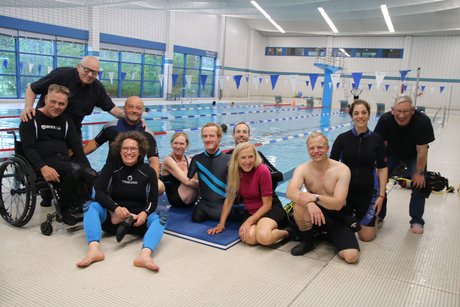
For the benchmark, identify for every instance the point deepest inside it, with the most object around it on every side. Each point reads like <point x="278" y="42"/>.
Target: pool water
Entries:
<point x="279" y="130"/>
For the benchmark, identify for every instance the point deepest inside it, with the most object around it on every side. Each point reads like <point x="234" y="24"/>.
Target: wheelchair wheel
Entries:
<point x="46" y="228"/>
<point x="17" y="202"/>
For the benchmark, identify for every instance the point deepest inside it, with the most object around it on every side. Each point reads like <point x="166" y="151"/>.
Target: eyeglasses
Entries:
<point x="129" y="149"/>
<point x="88" y="70"/>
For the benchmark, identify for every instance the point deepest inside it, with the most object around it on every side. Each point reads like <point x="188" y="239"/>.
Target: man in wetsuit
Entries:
<point x="86" y="92"/>
<point x="212" y="168"/>
<point x="407" y="133"/>
<point x="46" y="140"/>
<point x="326" y="181"/>
<point x="133" y="109"/>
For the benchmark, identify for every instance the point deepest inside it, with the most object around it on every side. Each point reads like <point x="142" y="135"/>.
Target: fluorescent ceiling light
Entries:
<point x="328" y="20"/>
<point x="344" y="52"/>
<point x="387" y="17"/>
<point x="277" y="26"/>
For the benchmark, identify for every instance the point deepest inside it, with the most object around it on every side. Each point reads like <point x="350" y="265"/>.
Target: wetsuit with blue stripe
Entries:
<point x="212" y="172"/>
<point x="362" y="153"/>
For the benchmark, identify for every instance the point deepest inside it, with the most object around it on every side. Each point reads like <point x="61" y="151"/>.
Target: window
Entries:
<point x="392" y="53"/>
<point x="193" y="75"/>
<point x="8" y="88"/>
<point x="273" y="51"/>
<point x="131" y="73"/>
<point x="366" y="53"/>
<point x="294" y="51"/>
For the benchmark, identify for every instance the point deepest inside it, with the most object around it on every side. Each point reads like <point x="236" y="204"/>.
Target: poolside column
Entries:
<point x="328" y="87"/>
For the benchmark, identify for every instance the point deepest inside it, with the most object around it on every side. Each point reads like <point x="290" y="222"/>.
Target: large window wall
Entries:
<point x="26" y="59"/>
<point x="193" y="72"/>
<point x="128" y="73"/>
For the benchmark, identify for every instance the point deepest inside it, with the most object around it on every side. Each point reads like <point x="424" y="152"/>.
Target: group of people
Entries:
<point x="340" y="195"/>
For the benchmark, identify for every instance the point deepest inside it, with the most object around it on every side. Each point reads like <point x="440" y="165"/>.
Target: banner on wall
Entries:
<point x="50" y="69"/>
<point x="379" y="76"/>
<point x="387" y="86"/>
<point x="111" y="74"/>
<point x="39" y="68"/>
<point x="203" y="80"/>
<point x="357" y="76"/>
<point x="31" y="66"/>
<point x="335" y="78"/>
<point x="369" y="86"/>
<point x="307" y="83"/>
<point x="274" y="80"/>
<point x="5" y="63"/>
<point x="322" y="83"/>
<point x="160" y="78"/>
<point x="123" y="76"/>
<point x="313" y="78"/>
<point x="174" y="79"/>
<point x="403" y="74"/>
<point x="247" y="78"/>
<point x="237" y="79"/>
<point x="441" y="88"/>
<point x="188" y="79"/>
<point x="293" y="80"/>
<point x="100" y="74"/>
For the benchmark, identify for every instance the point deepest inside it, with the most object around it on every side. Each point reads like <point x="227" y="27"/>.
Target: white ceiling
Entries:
<point x="301" y="17"/>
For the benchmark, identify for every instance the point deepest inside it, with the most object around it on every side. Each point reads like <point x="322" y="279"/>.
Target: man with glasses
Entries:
<point x="406" y="133"/>
<point x="133" y="110"/>
<point x="86" y="92"/>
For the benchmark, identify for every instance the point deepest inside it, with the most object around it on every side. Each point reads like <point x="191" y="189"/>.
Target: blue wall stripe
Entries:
<point x="38" y="27"/>
<point x="200" y="52"/>
<point x="128" y="41"/>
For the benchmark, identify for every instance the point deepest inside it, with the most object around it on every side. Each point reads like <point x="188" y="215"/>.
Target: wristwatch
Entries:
<point x="317" y="198"/>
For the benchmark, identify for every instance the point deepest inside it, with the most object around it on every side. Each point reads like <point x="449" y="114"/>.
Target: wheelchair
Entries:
<point x="19" y="188"/>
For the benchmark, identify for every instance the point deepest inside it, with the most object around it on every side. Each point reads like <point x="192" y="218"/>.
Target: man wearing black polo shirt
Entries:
<point x="406" y="133"/>
<point x="86" y="92"/>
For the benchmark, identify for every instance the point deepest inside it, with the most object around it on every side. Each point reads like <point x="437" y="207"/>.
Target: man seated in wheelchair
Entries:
<point x="46" y="141"/>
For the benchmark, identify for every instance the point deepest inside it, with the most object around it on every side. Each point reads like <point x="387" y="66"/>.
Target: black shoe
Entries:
<point x="293" y="232"/>
<point x="123" y="228"/>
<point x="69" y="219"/>
<point x="46" y="202"/>
<point x="301" y="248"/>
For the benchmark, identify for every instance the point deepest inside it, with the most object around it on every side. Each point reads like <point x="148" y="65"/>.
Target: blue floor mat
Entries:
<point x="180" y="225"/>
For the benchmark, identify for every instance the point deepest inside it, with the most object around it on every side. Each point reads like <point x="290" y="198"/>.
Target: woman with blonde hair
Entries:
<point x="249" y="181"/>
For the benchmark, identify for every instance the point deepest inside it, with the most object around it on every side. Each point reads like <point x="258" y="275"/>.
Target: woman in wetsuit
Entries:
<point x="250" y="182"/>
<point x="125" y="199"/>
<point x="364" y="153"/>
<point x="180" y="190"/>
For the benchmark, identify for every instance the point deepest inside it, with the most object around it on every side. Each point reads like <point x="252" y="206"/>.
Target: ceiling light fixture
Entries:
<point x="328" y="20"/>
<point x="344" y="52"/>
<point x="387" y="17"/>
<point x="277" y="26"/>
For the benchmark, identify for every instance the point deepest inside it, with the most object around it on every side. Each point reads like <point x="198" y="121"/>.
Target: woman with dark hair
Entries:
<point x="180" y="190"/>
<point x="126" y="196"/>
<point x="249" y="180"/>
<point x="364" y="153"/>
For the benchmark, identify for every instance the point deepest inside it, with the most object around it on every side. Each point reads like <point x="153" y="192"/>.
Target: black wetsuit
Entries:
<point x="133" y="187"/>
<point x="83" y="97"/>
<point x="172" y="186"/>
<point x="46" y="141"/>
<point x="110" y="131"/>
<point x="212" y="173"/>
<point x="362" y="154"/>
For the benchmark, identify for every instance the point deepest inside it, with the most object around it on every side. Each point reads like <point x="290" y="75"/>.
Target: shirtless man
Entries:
<point x="326" y="181"/>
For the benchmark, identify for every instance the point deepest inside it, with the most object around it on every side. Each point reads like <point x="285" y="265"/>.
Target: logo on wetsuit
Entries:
<point x="129" y="180"/>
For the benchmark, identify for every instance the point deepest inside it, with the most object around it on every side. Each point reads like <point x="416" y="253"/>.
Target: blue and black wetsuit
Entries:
<point x="133" y="187"/>
<point x="212" y="174"/>
<point x="362" y="153"/>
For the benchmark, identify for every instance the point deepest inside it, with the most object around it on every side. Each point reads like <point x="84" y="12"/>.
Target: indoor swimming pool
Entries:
<point x="278" y="130"/>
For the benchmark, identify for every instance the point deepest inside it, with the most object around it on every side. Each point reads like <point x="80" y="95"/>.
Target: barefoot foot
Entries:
<point x="144" y="260"/>
<point x="94" y="254"/>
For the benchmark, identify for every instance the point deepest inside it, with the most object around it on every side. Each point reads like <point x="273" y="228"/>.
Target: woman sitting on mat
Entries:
<point x="249" y="180"/>
<point x="125" y="195"/>
<point x="180" y="190"/>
